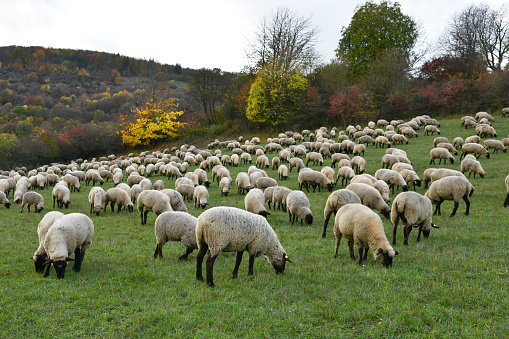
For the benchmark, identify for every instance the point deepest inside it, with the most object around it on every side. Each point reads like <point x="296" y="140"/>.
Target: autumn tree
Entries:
<point x="375" y="29"/>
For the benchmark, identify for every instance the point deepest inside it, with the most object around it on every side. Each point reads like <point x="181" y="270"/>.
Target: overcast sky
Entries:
<point x="194" y="33"/>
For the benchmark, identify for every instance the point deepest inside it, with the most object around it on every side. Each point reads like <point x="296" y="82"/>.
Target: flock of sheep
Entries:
<point x="228" y="229"/>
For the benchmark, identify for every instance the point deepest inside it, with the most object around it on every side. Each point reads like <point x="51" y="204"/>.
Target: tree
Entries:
<point x="284" y="40"/>
<point x="375" y="29"/>
<point x="275" y="95"/>
<point x="152" y="120"/>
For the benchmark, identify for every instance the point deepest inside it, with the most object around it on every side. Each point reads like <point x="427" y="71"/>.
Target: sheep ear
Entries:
<point x="434" y="226"/>
<point x="47" y="262"/>
<point x="69" y="259"/>
<point x="396" y="253"/>
<point x="285" y="257"/>
<point x="380" y="251"/>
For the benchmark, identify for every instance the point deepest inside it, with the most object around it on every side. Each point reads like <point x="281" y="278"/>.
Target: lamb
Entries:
<point x="32" y="198"/>
<point x="231" y="229"/>
<point x="152" y="200"/>
<point x="186" y="190"/>
<point x="314" y="178"/>
<point x="413" y="209"/>
<point x="4" y="201"/>
<point x="346" y="174"/>
<point x="496" y="145"/>
<point x="175" y="226"/>
<point x="279" y="195"/>
<point x="474" y="148"/>
<point x="69" y="233"/>
<point x="431" y="129"/>
<point x="297" y="205"/>
<point x="265" y="182"/>
<point x="40" y="256"/>
<point x="282" y="172"/>
<point x="370" y="197"/>
<point x="201" y="196"/>
<point x="314" y="157"/>
<point x="120" y="197"/>
<point x="472" y="165"/>
<point x="450" y="188"/>
<point x="358" y="164"/>
<point x="61" y="195"/>
<point x="94" y="176"/>
<point x="243" y="182"/>
<point x="440" y="153"/>
<point x="335" y="201"/>
<point x="254" y="201"/>
<point x="506" y="201"/>
<point x="360" y="225"/>
<point x="96" y="197"/>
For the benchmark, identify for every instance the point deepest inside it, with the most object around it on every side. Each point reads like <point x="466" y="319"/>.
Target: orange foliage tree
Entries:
<point x="154" y="119"/>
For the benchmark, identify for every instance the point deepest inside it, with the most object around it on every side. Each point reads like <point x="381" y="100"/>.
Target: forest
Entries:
<point x="62" y="104"/>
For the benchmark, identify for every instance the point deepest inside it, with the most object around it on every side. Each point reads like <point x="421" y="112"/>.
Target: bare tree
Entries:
<point x="285" y="40"/>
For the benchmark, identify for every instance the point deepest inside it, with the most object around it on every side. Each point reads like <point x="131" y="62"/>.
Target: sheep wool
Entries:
<point x="254" y="201"/>
<point x="120" y="197"/>
<point x="450" y="188"/>
<point x="96" y="198"/>
<point x="175" y="226"/>
<point x="229" y="229"/>
<point x="297" y="205"/>
<point x="370" y="197"/>
<point x="335" y="201"/>
<point x="40" y="256"/>
<point x="32" y="198"/>
<point x="201" y="196"/>
<point x="176" y="200"/>
<point x="154" y="201"/>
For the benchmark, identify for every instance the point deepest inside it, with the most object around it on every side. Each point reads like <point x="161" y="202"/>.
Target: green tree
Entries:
<point x="275" y="95"/>
<point x="23" y="128"/>
<point x="375" y="29"/>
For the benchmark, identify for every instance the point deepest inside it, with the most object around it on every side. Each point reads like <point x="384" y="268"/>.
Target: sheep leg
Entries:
<point x="290" y="217"/>
<point x="159" y="251"/>
<point x="326" y="223"/>
<point x="467" y="202"/>
<point x="350" y="249"/>
<point x="456" y="205"/>
<point x="365" y="254"/>
<point x="361" y="249"/>
<point x="338" y="241"/>
<point x="406" y="233"/>
<point x="119" y="207"/>
<point x="199" y="260"/>
<point x="78" y="256"/>
<point x="419" y="233"/>
<point x="506" y="201"/>
<point x="46" y="274"/>
<point x="145" y="217"/>
<point x="394" y="231"/>
<point x="209" y="269"/>
<point x="238" y="260"/>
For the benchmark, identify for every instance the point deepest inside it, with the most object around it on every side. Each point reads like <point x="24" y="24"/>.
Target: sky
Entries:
<point x="193" y="33"/>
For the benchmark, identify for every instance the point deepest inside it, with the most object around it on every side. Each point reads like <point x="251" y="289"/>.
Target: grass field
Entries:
<point x="453" y="284"/>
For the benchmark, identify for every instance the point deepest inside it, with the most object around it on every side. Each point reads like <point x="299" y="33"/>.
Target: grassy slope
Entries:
<point x="452" y="284"/>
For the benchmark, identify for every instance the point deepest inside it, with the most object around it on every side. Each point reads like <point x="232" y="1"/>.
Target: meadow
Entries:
<point x="453" y="284"/>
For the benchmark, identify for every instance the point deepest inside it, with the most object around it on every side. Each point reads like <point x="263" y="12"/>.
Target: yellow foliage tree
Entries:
<point x="154" y="119"/>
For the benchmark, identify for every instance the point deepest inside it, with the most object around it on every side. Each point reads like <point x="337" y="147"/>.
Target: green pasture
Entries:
<point x="453" y="284"/>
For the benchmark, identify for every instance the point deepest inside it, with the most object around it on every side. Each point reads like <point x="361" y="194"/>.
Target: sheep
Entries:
<point x="370" y="197"/>
<point x="152" y="200"/>
<point x="314" y="178"/>
<point x="382" y="141"/>
<point x="314" y="157"/>
<point x="94" y="176"/>
<point x="410" y="176"/>
<point x="40" y="256"/>
<point x="485" y="115"/>
<point x="134" y="179"/>
<point x="262" y="161"/>
<point x="399" y="139"/>
<point x="145" y="184"/>
<point x="282" y="172"/>
<point x="458" y="142"/>
<point x="413" y="209"/>
<point x="444" y="172"/>
<point x="175" y="226"/>
<point x="485" y="130"/>
<point x="382" y="187"/>
<point x="201" y="196"/>
<point x="254" y="201"/>
<point x="388" y="160"/>
<point x="41" y="180"/>
<point x="69" y="233"/>
<point x="358" y="164"/>
<point x="279" y="195"/>
<point x="224" y="186"/>
<point x="448" y="147"/>
<point x="118" y="178"/>
<point x="120" y="197"/>
<point x="470" y="147"/>
<point x="183" y="181"/>
<point x="265" y="182"/>
<point x="296" y="162"/>
<point x="72" y="182"/>
<point x="392" y="178"/>
<point x="426" y="177"/>
<point x="61" y="195"/>
<point x="297" y="205"/>
<point x="202" y="177"/>
<point x="506" y="201"/>
<point x="96" y="197"/>
<point x="496" y="145"/>
<point x="4" y="201"/>
<point x="328" y="172"/>
<point x="18" y="194"/>
<point x="32" y="198"/>
<point x="473" y="139"/>
<point x="335" y="201"/>
<point x="472" y="165"/>
<point x="229" y="229"/>
<point x="360" y="225"/>
<point x="431" y="129"/>
<point x="362" y="179"/>
<point x="176" y="200"/>
<point x="336" y="157"/>
<point x="440" y="153"/>
<point x="243" y="182"/>
<point x="450" y="188"/>
<point x="186" y="190"/>
<point x="346" y="174"/>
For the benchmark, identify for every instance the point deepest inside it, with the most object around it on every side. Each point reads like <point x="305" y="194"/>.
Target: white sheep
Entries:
<point x="152" y="200"/>
<point x="496" y="145"/>
<point x="69" y="233"/>
<point x="413" y="209"/>
<point x="358" y="164"/>
<point x="243" y="182"/>
<point x="392" y="178"/>
<point x="382" y="187"/>
<point x="431" y="129"/>
<point x="94" y="176"/>
<point x="314" y="157"/>
<point x="335" y="201"/>
<point x="4" y="201"/>
<point x="506" y="201"/>
<point x="337" y="157"/>
<point x="224" y="186"/>
<point x="61" y="195"/>
<point x="440" y="153"/>
<point x="315" y="179"/>
<point x="229" y="229"/>
<point x="175" y="226"/>
<point x="186" y="190"/>
<point x="40" y="256"/>
<point x="282" y="172"/>
<point x="18" y="194"/>
<point x="360" y="225"/>
<point x="254" y="201"/>
<point x="279" y="195"/>
<point x="201" y="196"/>
<point x="370" y="197"/>
<point x="297" y="205"/>
<point x="120" y="197"/>
<point x="72" y="182"/>
<point x="96" y="198"/>
<point x="450" y="188"/>
<point x="410" y="176"/>
<point x="346" y="174"/>
<point x="472" y="165"/>
<point x="265" y="182"/>
<point x="176" y="200"/>
<point x="158" y="185"/>
<point x="202" y="177"/>
<point x="296" y="162"/>
<point x="458" y="142"/>
<point x="32" y="198"/>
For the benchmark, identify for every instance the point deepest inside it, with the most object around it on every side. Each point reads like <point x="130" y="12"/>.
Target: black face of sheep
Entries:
<point x="309" y="219"/>
<point x="38" y="210"/>
<point x="40" y="263"/>
<point x="130" y="208"/>
<point x="405" y="188"/>
<point x="386" y="259"/>
<point x="451" y="160"/>
<point x="60" y="267"/>
<point x="279" y="266"/>
<point x="264" y="214"/>
<point x="386" y="213"/>
<point x="7" y="205"/>
<point x="330" y="186"/>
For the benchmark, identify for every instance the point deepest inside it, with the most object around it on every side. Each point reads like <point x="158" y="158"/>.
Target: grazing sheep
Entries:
<point x="360" y="225"/>
<point x="176" y="200"/>
<point x="328" y="172"/>
<point x="282" y="172"/>
<point x="399" y="139"/>
<point x="362" y="179"/>
<point x="496" y="145"/>
<point x="440" y="153"/>
<point x="297" y="205"/>
<point x="382" y="141"/>
<point x="243" y="182"/>
<point x="94" y="176"/>
<point x="474" y="148"/>
<point x="450" y="188"/>
<point x="72" y="182"/>
<point x="69" y="233"/>
<point x="484" y="115"/>
<point x="265" y="182"/>
<point x="224" y="186"/>
<point x="229" y="229"/>
<point x="151" y="200"/>
<point x="201" y="196"/>
<point x="382" y="187"/>
<point x="275" y="162"/>
<point x="262" y="161"/>
<point x="483" y="130"/>
<point x="370" y="197"/>
<point x="118" y="178"/>
<point x="254" y="201"/>
<point x="18" y="194"/>
<point x="186" y="190"/>
<point x="314" y="157"/>
<point x="134" y="179"/>
<point x="4" y="201"/>
<point x="120" y="197"/>
<point x="32" y="198"/>
<point x="296" y="162"/>
<point x="158" y="185"/>
<point x="444" y="172"/>
<point x="175" y="226"/>
<point x="337" y="157"/>
<point x="96" y="197"/>
<point x="413" y="209"/>
<point x="268" y="195"/>
<point x="40" y="256"/>
<point x="279" y="195"/>
<point x="506" y="201"/>
<point x="410" y="176"/>
<point x="202" y="177"/>
<point x="473" y="139"/>
<point x="431" y="129"/>
<point x="346" y="174"/>
<point x="448" y="147"/>
<point x="61" y="195"/>
<point x="315" y="179"/>
<point x="458" y="142"/>
<point x="388" y="160"/>
<point x="392" y="178"/>
<point x="358" y="164"/>
<point x="335" y="201"/>
<point x="471" y="165"/>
